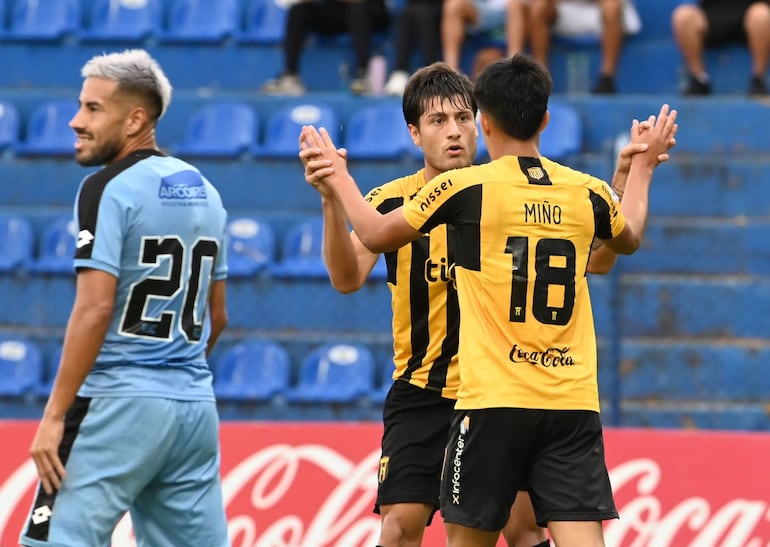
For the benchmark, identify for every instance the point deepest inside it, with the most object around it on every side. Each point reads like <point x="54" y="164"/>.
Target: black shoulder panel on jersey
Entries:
<point x="533" y="170"/>
<point x="463" y="212"/>
<point x="91" y="194"/>
<point x="391" y="258"/>
<point x="390" y="204"/>
<point x="602" y="223"/>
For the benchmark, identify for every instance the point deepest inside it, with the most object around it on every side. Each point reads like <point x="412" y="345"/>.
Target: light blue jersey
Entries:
<point x="158" y="225"/>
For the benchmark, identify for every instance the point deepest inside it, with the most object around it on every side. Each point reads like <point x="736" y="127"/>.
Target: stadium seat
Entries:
<point x="378" y="132"/>
<point x="16" y="241"/>
<point x="284" y="126"/>
<point x="220" y="129"/>
<point x="335" y="373"/>
<point x="49" y="368"/>
<point x="301" y="252"/>
<point x="563" y="136"/>
<point x="380" y="269"/>
<point x="380" y="392"/>
<point x="253" y="370"/>
<point x="43" y="20"/>
<point x="124" y="20"/>
<point x="21" y="366"/>
<point x="48" y="130"/>
<point x="265" y="22"/>
<point x="9" y="125"/>
<point x="251" y="246"/>
<point x="202" y="21"/>
<point x="57" y="248"/>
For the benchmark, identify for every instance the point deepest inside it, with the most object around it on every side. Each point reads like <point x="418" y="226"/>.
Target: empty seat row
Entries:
<point x="253" y="370"/>
<point x="203" y="21"/>
<point x="232" y="129"/>
<point x="252" y="248"/>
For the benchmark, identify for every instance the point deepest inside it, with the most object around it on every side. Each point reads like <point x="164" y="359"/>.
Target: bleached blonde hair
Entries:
<point x="135" y="71"/>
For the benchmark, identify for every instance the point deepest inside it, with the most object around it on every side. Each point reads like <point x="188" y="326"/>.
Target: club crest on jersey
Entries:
<point x="183" y="185"/>
<point x="535" y="173"/>
<point x="383" y="472"/>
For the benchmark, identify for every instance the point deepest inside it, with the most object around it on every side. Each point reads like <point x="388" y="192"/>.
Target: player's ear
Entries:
<point x="544" y="123"/>
<point x="483" y="124"/>
<point x="136" y="119"/>
<point x="414" y="132"/>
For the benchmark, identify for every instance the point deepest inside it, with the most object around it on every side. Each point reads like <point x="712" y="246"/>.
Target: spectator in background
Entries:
<point x="359" y="18"/>
<point x="461" y="17"/>
<point x="609" y="19"/>
<point x="418" y="22"/>
<point x="718" y="22"/>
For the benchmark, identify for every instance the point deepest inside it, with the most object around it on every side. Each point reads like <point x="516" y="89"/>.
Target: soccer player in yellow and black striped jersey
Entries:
<point x="527" y="408"/>
<point x="440" y="112"/>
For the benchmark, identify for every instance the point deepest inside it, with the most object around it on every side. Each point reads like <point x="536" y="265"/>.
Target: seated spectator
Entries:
<point x="359" y="18"/>
<point x="474" y="17"/>
<point x="418" y="22"/>
<point x="609" y="19"/>
<point x="712" y="23"/>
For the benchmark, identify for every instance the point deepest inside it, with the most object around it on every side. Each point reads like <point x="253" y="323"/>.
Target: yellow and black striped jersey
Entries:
<point x="426" y="313"/>
<point x="523" y="230"/>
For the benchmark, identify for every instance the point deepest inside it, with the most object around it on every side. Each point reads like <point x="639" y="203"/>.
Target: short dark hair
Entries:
<point x="514" y="92"/>
<point x="436" y="81"/>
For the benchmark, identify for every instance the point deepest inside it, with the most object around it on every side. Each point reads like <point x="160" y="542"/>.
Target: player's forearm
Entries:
<point x="364" y="218"/>
<point x="338" y="251"/>
<point x="635" y="203"/>
<point x="83" y="339"/>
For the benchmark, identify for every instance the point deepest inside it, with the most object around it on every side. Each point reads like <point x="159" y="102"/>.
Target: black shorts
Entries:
<point x="558" y="455"/>
<point x="725" y="24"/>
<point x="416" y="430"/>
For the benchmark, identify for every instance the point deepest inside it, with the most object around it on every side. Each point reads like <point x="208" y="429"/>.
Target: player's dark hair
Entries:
<point x="514" y="92"/>
<point x="436" y="81"/>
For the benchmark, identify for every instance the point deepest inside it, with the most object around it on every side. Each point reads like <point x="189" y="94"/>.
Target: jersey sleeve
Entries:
<point x="101" y="217"/>
<point x="438" y="202"/>
<point x="608" y="218"/>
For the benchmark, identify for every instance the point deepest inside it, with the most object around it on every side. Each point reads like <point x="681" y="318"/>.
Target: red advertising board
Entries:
<point x="313" y="485"/>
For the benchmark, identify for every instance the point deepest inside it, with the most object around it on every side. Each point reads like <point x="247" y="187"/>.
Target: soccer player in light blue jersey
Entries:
<point x="131" y="422"/>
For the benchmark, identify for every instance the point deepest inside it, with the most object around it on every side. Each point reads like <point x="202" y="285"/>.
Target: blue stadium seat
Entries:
<point x="48" y="130"/>
<point x="124" y="20"/>
<point x="43" y="20"/>
<point x="335" y="373"/>
<point x="16" y="241"/>
<point x="284" y="126"/>
<point x="57" y="248"/>
<point x="378" y="131"/>
<point x="251" y="246"/>
<point x="21" y="366"/>
<point x="265" y="23"/>
<point x="50" y="366"/>
<point x="380" y="392"/>
<point x="563" y="136"/>
<point x="202" y="21"/>
<point x="9" y="125"/>
<point x="253" y="370"/>
<point x="301" y="252"/>
<point x="220" y="129"/>
<point x="380" y="269"/>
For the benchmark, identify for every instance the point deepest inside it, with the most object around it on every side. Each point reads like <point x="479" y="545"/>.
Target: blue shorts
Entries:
<point x="491" y="17"/>
<point x="157" y="458"/>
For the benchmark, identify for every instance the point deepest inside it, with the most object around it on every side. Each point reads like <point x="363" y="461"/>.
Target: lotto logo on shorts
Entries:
<point x="383" y="473"/>
<point x="41" y="515"/>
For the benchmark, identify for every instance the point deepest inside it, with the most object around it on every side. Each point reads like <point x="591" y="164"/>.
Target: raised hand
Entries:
<point x="659" y="133"/>
<point x="316" y="167"/>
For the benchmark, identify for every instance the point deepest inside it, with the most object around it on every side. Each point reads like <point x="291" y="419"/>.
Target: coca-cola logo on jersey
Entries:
<point x="314" y="485"/>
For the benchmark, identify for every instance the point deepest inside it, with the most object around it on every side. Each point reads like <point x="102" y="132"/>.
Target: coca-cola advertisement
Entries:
<point x="314" y="484"/>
